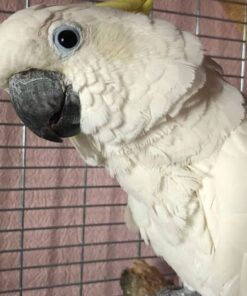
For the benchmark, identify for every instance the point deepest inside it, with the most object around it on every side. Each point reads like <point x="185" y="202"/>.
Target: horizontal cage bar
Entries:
<point x="56" y="265"/>
<point x="72" y="246"/>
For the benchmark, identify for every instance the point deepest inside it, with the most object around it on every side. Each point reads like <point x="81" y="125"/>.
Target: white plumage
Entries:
<point x="157" y="114"/>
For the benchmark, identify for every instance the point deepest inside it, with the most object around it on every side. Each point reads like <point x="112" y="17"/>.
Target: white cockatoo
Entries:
<point x="142" y="99"/>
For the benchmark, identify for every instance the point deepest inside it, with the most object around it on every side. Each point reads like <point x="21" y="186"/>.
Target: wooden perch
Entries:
<point x="142" y="280"/>
<point x="145" y="280"/>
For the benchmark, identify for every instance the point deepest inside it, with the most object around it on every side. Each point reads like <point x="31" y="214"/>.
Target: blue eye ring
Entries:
<point x="67" y="38"/>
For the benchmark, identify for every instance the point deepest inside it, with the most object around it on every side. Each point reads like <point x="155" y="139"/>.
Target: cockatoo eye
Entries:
<point x="67" y="39"/>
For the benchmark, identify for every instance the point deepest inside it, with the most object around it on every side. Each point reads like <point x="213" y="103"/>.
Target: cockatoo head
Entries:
<point x="62" y="66"/>
<point x="49" y="56"/>
<point x="91" y="70"/>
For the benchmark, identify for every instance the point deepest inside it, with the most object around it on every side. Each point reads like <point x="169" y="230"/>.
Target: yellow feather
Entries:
<point x="143" y="6"/>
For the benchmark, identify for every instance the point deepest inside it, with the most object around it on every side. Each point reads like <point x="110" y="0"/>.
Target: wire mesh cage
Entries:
<point x="62" y="226"/>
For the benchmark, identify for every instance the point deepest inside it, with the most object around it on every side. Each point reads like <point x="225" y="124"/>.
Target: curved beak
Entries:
<point x="45" y="105"/>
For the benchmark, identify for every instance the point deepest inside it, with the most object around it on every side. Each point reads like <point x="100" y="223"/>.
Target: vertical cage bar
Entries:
<point x="243" y="63"/>
<point x="22" y="197"/>
<point x="83" y="229"/>
<point x="198" y="13"/>
<point x="81" y="292"/>
<point x="22" y="205"/>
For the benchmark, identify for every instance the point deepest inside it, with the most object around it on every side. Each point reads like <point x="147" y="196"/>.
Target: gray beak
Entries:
<point x="45" y="105"/>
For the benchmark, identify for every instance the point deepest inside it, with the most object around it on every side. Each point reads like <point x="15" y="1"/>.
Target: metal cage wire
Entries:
<point x="22" y="208"/>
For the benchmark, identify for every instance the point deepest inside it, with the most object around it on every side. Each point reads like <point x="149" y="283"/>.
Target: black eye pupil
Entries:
<point x="67" y="39"/>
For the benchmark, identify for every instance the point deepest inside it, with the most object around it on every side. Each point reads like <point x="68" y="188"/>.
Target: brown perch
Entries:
<point x="142" y="280"/>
